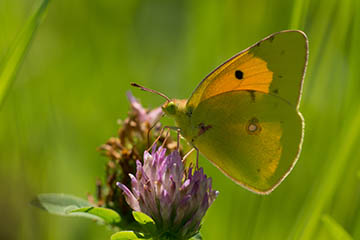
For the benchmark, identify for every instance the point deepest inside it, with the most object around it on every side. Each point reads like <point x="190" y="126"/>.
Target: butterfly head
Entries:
<point x="174" y="106"/>
<point x="171" y="107"/>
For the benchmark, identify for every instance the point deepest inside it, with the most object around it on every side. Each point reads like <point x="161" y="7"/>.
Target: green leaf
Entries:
<point x="107" y="215"/>
<point x="335" y="229"/>
<point x="66" y="205"/>
<point x="127" y="235"/>
<point x="59" y="204"/>
<point x="142" y="218"/>
<point x="17" y="51"/>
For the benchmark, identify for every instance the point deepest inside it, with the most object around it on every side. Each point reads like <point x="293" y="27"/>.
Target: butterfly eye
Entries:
<point x="169" y="108"/>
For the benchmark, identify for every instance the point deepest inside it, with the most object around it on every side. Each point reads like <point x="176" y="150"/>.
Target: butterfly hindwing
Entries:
<point x="253" y="138"/>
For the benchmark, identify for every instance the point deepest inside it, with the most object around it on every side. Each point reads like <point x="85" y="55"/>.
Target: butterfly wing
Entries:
<point x="255" y="143"/>
<point x="244" y="115"/>
<point x="275" y="65"/>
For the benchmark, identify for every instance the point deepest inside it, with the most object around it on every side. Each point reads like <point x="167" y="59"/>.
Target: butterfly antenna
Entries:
<point x="151" y="90"/>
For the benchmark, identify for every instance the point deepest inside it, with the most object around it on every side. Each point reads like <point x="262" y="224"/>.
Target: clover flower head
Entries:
<point x="175" y="198"/>
<point x="136" y="131"/>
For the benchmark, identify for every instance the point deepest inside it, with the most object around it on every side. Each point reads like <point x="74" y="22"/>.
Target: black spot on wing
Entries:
<point x="239" y="74"/>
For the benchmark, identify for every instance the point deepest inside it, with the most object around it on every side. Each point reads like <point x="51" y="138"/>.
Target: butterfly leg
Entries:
<point x="160" y="134"/>
<point x="187" y="154"/>
<point x="178" y="139"/>
<point x="156" y="140"/>
<point x="151" y="128"/>
<point x="166" y="138"/>
<point x="197" y="157"/>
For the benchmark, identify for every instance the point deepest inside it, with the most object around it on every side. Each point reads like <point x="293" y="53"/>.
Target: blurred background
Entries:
<point x="70" y="91"/>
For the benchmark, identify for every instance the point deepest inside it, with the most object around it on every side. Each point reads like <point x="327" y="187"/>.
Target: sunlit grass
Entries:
<point x="71" y="90"/>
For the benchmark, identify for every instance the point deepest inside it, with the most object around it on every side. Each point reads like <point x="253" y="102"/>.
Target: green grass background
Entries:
<point x="70" y="91"/>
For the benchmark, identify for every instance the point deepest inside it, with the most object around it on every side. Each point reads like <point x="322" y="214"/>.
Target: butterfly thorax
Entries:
<point x="177" y="109"/>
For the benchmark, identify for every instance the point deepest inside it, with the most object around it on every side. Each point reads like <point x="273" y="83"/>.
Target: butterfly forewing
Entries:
<point x="275" y="65"/>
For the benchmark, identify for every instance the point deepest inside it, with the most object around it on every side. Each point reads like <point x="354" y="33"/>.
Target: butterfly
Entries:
<point x="244" y="116"/>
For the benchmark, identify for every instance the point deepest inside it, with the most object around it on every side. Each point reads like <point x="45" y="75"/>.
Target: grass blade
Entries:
<point x="299" y="14"/>
<point x="330" y="180"/>
<point x="335" y="229"/>
<point x="18" y="50"/>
